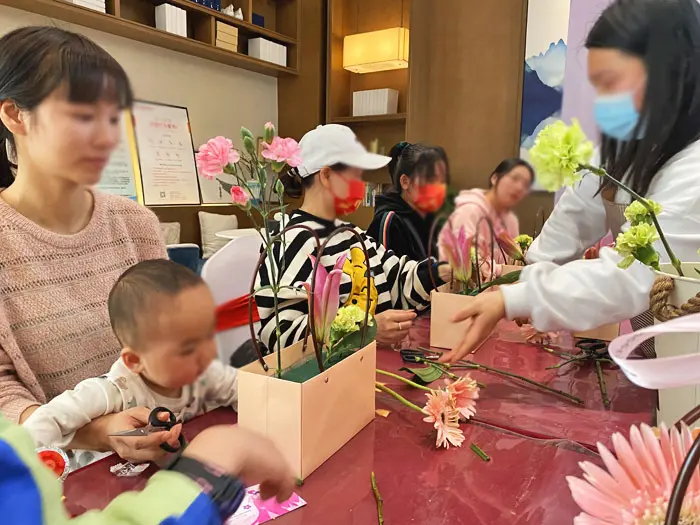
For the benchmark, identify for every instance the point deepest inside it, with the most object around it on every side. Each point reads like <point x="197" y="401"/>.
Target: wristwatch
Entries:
<point x="227" y="492"/>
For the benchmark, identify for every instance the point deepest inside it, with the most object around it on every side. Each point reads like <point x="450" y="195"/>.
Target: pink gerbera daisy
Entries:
<point x="637" y="485"/>
<point x="464" y="393"/>
<point x="443" y="414"/>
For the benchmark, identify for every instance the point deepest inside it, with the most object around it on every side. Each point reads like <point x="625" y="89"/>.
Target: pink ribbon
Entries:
<point x="662" y="372"/>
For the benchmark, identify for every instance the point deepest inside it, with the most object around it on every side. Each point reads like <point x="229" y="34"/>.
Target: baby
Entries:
<point x="164" y="318"/>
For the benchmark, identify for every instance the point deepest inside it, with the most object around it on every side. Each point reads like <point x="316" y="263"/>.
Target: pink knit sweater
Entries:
<point x="54" y="325"/>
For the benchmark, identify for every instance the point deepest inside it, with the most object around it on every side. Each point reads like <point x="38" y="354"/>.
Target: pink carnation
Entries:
<point x="239" y="196"/>
<point x="213" y="156"/>
<point x="283" y="151"/>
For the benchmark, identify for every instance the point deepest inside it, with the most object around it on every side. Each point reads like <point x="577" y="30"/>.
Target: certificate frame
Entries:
<point x="133" y="191"/>
<point x="189" y="191"/>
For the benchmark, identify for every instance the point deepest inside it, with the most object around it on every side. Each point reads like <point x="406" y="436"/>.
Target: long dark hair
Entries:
<point x="508" y="165"/>
<point x="418" y="161"/>
<point x="35" y="61"/>
<point x="665" y="34"/>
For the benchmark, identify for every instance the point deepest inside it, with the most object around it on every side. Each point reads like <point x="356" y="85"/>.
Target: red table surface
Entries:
<point x="510" y="403"/>
<point x="522" y="484"/>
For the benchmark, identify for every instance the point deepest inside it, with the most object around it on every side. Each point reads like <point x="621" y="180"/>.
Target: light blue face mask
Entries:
<point x="616" y="115"/>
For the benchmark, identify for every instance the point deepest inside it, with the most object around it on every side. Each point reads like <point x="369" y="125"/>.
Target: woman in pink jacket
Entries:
<point x="510" y="183"/>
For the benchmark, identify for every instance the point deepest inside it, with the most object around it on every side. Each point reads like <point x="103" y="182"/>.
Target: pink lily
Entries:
<point x="458" y="250"/>
<point x="326" y="300"/>
<point x="510" y="247"/>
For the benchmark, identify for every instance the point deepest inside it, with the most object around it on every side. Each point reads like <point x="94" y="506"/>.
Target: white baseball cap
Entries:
<point x="333" y="144"/>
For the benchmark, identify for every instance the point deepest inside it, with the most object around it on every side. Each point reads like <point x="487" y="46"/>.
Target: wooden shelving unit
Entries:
<point x="135" y="19"/>
<point x="347" y="17"/>
<point x="369" y="119"/>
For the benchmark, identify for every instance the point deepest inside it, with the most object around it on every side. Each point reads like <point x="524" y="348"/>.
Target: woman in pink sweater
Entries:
<point x="510" y="183"/>
<point x="62" y="244"/>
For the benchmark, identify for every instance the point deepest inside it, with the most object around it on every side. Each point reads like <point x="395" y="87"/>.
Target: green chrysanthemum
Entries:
<point x="558" y="154"/>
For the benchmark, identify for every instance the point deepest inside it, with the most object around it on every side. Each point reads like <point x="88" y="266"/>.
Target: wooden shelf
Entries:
<point x="397" y="117"/>
<point x="118" y="26"/>
<point x="189" y="5"/>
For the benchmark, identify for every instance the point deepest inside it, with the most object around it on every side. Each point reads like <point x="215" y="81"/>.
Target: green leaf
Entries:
<point x="626" y="262"/>
<point x="353" y="341"/>
<point x="225" y="186"/>
<point x="508" y="278"/>
<point x="425" y="375"/>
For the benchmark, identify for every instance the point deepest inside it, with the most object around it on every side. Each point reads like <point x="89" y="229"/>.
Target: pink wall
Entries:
<point x="578" y="93"/>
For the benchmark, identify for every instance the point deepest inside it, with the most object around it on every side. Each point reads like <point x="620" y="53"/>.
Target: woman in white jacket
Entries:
<point x="644" y="62"/>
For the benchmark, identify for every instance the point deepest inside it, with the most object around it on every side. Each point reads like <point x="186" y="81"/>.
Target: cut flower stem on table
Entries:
<point x="471" y="365"/>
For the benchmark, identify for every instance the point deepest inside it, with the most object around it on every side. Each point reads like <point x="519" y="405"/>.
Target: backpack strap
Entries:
<point x="384" y="228"/>
<point x="384" y="232"/>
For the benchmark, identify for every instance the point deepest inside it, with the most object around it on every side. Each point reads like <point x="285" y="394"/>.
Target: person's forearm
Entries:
<point x="93" y="436"/>
<point x="167" y="495"/>
<point x="27" y="412"/>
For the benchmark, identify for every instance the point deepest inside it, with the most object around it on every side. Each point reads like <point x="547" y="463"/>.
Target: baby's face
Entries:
<point x="178" y="338"/>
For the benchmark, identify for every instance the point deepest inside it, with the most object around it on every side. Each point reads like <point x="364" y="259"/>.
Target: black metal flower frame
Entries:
<point x="685" y="474"/>
<point x="441" y="219"/>
<point x="320" y="248"/>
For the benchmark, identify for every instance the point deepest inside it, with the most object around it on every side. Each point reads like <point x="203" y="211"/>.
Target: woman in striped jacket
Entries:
<point x="330" y="179"/>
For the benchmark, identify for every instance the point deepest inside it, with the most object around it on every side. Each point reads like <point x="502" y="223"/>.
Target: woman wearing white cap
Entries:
<point x="330" y="180"/>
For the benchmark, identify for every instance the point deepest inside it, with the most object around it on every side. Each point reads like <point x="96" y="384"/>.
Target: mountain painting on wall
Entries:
<point x="545" y="62"/>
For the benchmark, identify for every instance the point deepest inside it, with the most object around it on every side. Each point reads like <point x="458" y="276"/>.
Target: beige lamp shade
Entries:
<point x="376" y="51"/>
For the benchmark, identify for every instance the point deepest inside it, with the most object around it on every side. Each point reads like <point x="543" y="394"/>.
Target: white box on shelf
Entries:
<point x="281" y="55"/>
<point x="269" y="51"/>
<point x="182" y="22"/>
<point x="171" y="19"/>
<point x="375" y="102"/>
<point x="95" y="5"/>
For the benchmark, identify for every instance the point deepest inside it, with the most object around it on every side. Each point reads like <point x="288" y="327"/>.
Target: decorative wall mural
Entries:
<point x="545" y="62"/>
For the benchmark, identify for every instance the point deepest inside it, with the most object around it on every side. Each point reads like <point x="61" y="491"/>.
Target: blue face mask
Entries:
<point x="616" y="115"/>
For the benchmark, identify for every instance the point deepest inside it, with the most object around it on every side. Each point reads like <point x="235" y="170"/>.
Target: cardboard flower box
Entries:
<point x="309" y="421"/>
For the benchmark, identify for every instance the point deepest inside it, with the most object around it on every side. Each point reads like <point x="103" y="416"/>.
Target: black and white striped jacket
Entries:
<point x="400" y="283"/>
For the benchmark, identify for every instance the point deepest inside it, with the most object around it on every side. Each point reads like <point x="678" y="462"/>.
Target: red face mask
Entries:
<point x="348" y="204"/>
<point x="430" y="197"/>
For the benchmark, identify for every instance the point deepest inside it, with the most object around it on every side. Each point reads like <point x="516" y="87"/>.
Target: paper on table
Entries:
<point x="662" y="372"/>
<point x="254" y="511"/>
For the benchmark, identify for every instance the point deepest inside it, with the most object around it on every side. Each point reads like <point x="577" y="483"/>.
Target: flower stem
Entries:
<point x="399" y="397"/>
<point x="476" y="366"/>
<point x="601" y="382"/>
<point x="378" y="497"/>
<point x="404" y="380"/>
<point x="604" y="174"/>
<point x="567" y="362"/>
<point x="477" y="450"/>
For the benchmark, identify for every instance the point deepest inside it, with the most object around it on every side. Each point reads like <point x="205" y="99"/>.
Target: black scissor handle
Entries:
<point x="154" y="421"/>
<point x="592" y="346"/>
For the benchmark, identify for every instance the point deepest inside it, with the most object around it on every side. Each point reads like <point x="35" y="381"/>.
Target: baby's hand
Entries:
<point x="139" y="449"/>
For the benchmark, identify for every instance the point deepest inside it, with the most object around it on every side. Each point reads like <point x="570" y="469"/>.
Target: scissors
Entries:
<point x="156" y="425"/>
<point x="593" y="347"/>
<point x="415" y="356"/>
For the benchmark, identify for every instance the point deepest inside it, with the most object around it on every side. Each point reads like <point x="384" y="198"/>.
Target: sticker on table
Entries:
<point x="254" y="510"/>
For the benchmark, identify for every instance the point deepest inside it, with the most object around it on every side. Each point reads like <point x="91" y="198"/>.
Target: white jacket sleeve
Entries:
<point x="585" y="294"/>
<point x="221" y="386"/>
<point x="55" y="423"/>
<point x="576" y="224"/>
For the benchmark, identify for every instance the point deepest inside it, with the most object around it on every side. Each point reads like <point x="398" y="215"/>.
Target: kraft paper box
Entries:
<point x="221" y="27"/>
<point x="606" y="332"/>
<point x="310" y="421"/>
<point x="443" y="305"/>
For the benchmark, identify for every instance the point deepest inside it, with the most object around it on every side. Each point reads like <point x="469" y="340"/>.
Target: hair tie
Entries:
<point x="401" y="146"/>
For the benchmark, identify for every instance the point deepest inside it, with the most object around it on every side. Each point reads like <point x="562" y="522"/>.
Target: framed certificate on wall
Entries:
<point x="166" y="154"/>
<point x="121" y="176"/>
